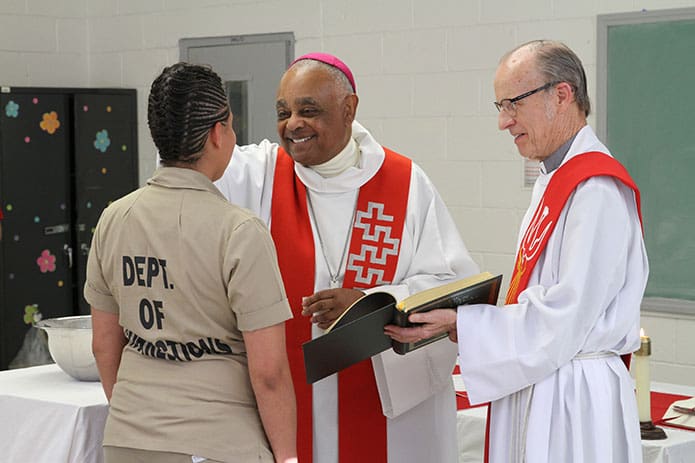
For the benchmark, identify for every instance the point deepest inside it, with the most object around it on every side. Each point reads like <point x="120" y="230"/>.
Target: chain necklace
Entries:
<point x="332" y="275"/>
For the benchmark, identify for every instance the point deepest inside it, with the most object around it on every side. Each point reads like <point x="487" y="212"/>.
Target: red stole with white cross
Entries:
<point x="563" y="182"/>
<point x="374" y="247"/>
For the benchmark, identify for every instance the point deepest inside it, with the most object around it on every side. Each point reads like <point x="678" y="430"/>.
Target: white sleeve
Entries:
<point x="248" y="179"/>
<point x="437" y="256"/>
<point x="583" y="296"/>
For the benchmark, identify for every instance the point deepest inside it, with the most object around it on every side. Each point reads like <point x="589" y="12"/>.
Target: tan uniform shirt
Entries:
<point x="187" y="272"/>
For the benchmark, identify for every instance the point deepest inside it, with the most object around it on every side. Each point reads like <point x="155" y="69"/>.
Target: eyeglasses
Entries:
<point x="509" y="104"/>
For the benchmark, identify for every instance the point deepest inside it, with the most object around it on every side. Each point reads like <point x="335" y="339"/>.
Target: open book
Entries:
<point x="359" y="332"/>
<point x="681" y="414"/>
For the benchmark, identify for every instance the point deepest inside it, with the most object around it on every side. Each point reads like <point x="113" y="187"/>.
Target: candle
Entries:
<point x="641" y="372"/>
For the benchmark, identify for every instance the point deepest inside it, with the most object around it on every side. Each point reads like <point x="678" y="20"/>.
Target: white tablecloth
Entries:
<point x="678" y="447"/>
<point x="47" y="416"/>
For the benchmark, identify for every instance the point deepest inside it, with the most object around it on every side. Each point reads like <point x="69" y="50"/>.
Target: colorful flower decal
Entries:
<point x="50" y="122"/>
<point x="35" y="100"/>
<point x="31" y="314"/>
<point x="102" y="141"/>
<point x="46" y="262"/>
<point x="27" y="139"/>
<point x="12" y="109"/>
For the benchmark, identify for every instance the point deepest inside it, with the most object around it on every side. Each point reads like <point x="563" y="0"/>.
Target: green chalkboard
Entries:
<point x="650" y="128"/>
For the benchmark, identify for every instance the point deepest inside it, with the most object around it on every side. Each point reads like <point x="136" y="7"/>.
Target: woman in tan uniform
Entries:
<point x="188" y="307"/>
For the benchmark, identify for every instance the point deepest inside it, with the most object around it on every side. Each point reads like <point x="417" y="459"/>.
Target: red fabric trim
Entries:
<point x="361" y="421"/>
<point x="558" y="191"/>
<point x="389" y="187"/>
<point x="562" y="184"/>
<point x="291" y="231"/>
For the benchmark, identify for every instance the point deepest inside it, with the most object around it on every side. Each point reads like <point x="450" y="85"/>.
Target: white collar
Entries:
<point x="371" y="158"/>
<point x="348" y="157"/>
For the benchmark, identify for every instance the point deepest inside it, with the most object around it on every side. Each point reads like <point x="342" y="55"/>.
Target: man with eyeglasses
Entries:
<point x="549" y="360"/>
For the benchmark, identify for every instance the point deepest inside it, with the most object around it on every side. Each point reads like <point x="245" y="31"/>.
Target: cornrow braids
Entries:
<point x="185" y="102"/>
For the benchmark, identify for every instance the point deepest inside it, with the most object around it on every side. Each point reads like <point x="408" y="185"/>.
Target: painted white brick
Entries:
<point x="478" y="139"/>
<point x="142" y="93"/>
<point x="72" y="36"/>
<point x="374" y="126"/>
<point x="618" y="6"/>
<point x="385" y="96"/>
<point x="501" y="178"/>
<point x="186" y="4"/>
<point x="567" y="9"/>
<point x="165" y="29"/>
<point x="96" y="8"/>
<point x="362" y="16"/>
<point x="445" y="13"/>
<point x="173" y="55"/>
<point x="13" y="7"/>
<point x="488" y="230"/>
<point x="421" y="139"/>
<point x="457" y="182"/>
<point x="361" y="52"/>
<point x="147" y="153"/>
<point x="126" y="7"/>
<point x="466" y="53"/>
<point x="118" y="33"/>
<point x="590" y="71"/>
<point x="511" y="11"/>
<point x="673" y="373"/>
<point x="661" y="330"/>
<point x="57" y="8"/>
<point x="650" y="5"/>
<point x="57" y="70"/>
<point x="27" y="34"/>
<point x="13" y="72"/>
<point x="447" y="94"/>
<point x="414" y="51"/>
<point x="685" y="342"/>
<point x="578" y="34"/>
<point x="141" y="67"/>
<point x="106" y="70"/>
<point x="309" y="45"/>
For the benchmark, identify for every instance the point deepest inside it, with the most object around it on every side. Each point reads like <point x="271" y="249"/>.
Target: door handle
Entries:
<point x="68" y="252"/>
<point x="85" y="249"/>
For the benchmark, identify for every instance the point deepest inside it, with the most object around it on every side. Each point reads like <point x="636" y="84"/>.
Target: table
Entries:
<point x="678" y="447"/>
<point x="47" y="416"/>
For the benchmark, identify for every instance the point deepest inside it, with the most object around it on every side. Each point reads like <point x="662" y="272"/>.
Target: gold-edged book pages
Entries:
<point x="439" y="292"/>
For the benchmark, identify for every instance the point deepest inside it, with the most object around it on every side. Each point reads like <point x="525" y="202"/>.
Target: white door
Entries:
<point x="250" y="67"/>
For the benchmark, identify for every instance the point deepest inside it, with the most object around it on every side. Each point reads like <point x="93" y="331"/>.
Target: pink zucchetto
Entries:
<point x="331" y="61"/>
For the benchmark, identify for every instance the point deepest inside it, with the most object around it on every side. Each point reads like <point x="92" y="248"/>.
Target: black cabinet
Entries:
<point x="64" y="155"/>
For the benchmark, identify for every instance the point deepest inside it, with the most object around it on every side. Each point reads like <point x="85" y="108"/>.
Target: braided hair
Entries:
<point x="185" y="102"/>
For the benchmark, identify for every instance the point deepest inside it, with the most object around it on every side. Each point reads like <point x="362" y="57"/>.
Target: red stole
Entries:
<point x="372" y="260"/>
<point x="561" y="185"/>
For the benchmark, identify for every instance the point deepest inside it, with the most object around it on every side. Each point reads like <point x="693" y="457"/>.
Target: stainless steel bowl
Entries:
<point x="70" y="345"/>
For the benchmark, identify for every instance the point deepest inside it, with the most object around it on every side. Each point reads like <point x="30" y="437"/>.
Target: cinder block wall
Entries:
<point x="424" y="72"/>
